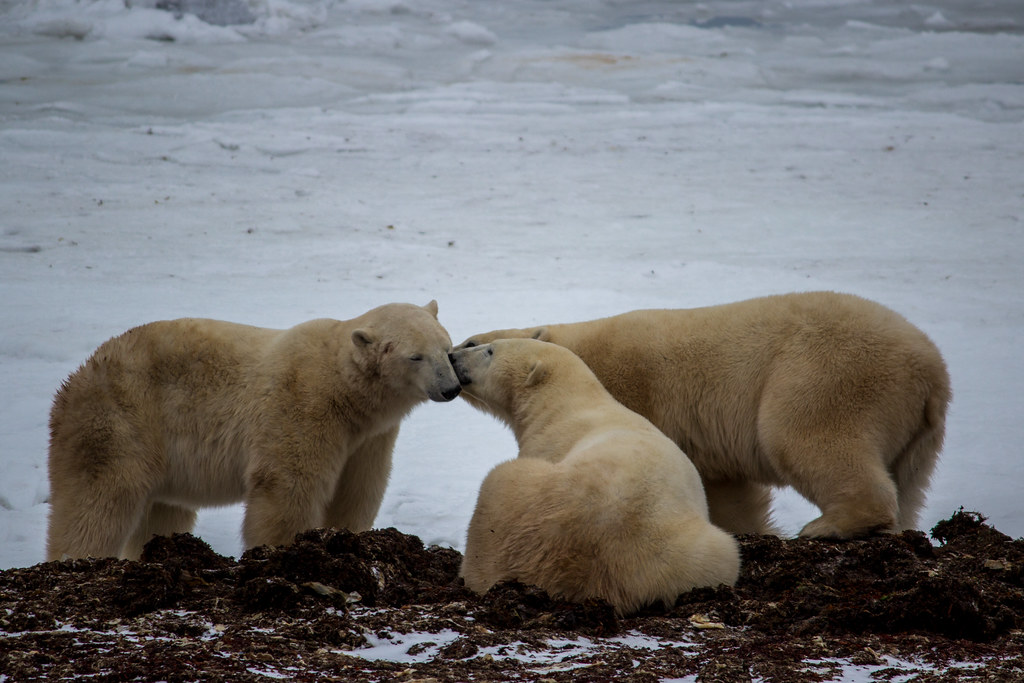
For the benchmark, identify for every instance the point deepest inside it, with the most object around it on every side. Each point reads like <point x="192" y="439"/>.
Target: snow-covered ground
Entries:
<point x="521" y="162"/>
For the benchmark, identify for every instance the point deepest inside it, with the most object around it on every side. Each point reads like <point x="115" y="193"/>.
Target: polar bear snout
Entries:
<point x="450" y="394"/>
<point x="470" y="360"/>
<point x="447" y="392"/>
<point x="446" y="385"/>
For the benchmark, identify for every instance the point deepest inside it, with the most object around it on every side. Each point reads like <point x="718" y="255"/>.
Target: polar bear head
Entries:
<point x="405" y="348"/>
<point x="505" y="375"/>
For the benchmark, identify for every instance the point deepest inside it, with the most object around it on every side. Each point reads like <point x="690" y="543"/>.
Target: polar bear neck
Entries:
<point x="374" y="407"/>
<point x="369" y="413"/>
<point x="544" y="426"/>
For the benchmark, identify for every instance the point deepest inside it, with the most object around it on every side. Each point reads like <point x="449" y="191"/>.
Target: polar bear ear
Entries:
<point x="541" y="334"/>
<point x="432" y="307"/>
<point x="362" y="338"/>
<point x="537" y="374"/>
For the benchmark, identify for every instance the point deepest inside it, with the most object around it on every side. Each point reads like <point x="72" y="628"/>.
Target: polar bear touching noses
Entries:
<point x="599" y="503"/>
<point x="297" y="423"/>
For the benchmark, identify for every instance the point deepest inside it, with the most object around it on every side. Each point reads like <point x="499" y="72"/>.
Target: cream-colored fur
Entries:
<point x="832" y="394"/>
<point x="599" y="503"/>
<point x="299" y="424"/>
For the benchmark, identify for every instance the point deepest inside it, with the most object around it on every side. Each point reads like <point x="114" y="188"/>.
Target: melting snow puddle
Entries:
<point x="557" y="654"/>
<point x="896" y="670"/>
<point x="560" y="654"/>
<point x="551" y="655"/>
<point x="406" y="648"/>
<point x="287" y="675"/>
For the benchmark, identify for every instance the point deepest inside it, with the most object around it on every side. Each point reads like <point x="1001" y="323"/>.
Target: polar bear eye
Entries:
<point x="416" y="358"/>
<point x="468" y="345"/>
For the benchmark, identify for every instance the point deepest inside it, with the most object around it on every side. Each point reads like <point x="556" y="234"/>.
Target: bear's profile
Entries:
<point x="599" y="503"/>
<point x="834" y="395"/>
<point x="298" y="423"/>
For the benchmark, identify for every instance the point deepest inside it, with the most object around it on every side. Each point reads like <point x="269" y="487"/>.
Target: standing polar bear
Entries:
<point x="832" y="394"/>
<point x="298" y="423"/>
<point x="599" y="503"/>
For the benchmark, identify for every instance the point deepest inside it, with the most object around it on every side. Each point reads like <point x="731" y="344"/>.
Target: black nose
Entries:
<point x="449" y="394"/>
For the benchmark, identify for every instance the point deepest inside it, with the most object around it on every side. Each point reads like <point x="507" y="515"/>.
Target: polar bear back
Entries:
<point x="703" y="375"/>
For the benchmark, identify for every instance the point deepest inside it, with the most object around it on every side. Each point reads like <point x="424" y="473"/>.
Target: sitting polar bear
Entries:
<point x="299" y="424"/>
<point x="599" y="503"/>
<point x="836" y="396"/>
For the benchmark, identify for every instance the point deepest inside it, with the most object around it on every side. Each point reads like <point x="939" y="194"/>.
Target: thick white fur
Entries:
<point x="834" y="395"/>
<point x="298" y="423"/>
<point x="599" y="503"/>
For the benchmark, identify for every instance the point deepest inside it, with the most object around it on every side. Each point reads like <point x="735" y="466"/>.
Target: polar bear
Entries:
<point x="298" y="423"/>
<point x="832" y="394"/>
<point x="599" y="503"/>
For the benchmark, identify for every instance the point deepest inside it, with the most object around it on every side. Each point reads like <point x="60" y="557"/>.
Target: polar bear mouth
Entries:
<point x="464" y="379"/>
<point x="460" y="371"/>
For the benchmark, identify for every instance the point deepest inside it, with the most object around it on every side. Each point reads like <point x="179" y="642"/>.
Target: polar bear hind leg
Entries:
<point x="914" y="466"/>
<point x="88" y="526"/>
<point x="742" y="507"/>
<point x="100" y="479"/>
<point x="849" y="483"/>
<point x="95" y="521"/>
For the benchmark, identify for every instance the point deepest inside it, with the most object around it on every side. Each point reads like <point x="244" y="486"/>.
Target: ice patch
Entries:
<point x="556" y="654"/>
<point x="471" y="34"/>
<point x="406" y="648"/>
<point x="938" y="20"/>
<point x="217" y="12"/>
<point x="182" y="21"/>
<point x="650" y="38"/>
<point x="884" y="666"/>
<point x="567" y="654"/>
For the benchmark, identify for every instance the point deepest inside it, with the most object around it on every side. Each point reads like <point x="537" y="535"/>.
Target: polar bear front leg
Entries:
<point x="362" y="483"/>
<point x="284" y="499"/>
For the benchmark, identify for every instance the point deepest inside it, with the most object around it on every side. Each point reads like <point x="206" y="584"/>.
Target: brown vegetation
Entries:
<point x="898" y="606"/>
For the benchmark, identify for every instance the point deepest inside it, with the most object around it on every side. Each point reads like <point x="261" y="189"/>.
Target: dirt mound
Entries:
<point x="970" y="588"/>
<point x="324" y="605"/>
<point x="513" y="605"/>
<point x="379" y="567"/>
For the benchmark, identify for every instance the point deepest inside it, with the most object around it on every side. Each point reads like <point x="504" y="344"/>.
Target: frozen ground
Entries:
<point x="523" y="163"/>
